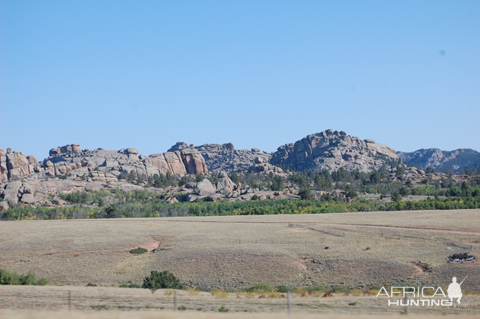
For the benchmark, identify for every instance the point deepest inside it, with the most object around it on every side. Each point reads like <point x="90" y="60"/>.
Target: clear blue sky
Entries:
<point x="146" y="74"/>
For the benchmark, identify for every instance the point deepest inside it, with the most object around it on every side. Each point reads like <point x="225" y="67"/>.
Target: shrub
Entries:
<point x="261" y="287"/>
<point x="130" y="285"/>
<point x="222" y="309"/>
<point x="9" y="278"/>
<point x="285" y="288"/>
<point x="161" y="280"/>
<point x="182" y="308"/>
<point x="199" y="178"/>
<point x="111" y="211"/>
<point x="138" y="251"/>
<point x="317" y="288"/>
<point x="305" y="194"/>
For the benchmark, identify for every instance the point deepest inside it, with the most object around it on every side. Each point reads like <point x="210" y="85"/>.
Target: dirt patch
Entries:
<point x="420" y="268"/>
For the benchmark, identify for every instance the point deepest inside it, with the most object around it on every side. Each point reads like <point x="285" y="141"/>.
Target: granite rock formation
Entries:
<point x="224" y="157"/>
<point x="98" y="165"/>
<point x="331" y="150"/>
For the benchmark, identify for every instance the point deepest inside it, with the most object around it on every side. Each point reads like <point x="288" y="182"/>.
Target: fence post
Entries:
<point x="175" y="301"/>
<point x="406" y="304"/>
<point x="69" y="300"/>
<point x="289" y="302"/>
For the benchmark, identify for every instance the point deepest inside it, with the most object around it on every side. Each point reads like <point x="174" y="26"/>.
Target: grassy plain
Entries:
<point x="379" y="248"/>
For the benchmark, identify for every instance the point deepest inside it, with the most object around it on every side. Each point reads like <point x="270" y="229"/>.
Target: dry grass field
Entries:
<point x="239" y="251"/>
<point x="30" y="302"/>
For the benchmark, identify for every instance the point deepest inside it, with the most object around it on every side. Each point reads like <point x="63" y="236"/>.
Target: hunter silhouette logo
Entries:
<point x="454" y="290"/>
<point x="424" y="296"/>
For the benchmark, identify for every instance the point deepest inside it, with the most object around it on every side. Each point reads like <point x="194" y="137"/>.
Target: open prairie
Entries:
<point x="353" y="250"/>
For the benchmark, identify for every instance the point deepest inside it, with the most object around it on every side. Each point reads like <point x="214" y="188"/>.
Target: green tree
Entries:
<point x="132" y="176"/>
<point x="430" y="170"/>
<point x="404" y="191"/>
<point x="183" y="180"/>
<point x="305" y="194"/>
<point x="161" y="280"/>
<point x="277" y="183"/>
<point x="400" y="171"/>
<point x="234" y="177"/>
<point x="199" y="178"/>
<point x="110" y="211"/>
<point x="396" y="197"/>
<point x="375" y="177"/>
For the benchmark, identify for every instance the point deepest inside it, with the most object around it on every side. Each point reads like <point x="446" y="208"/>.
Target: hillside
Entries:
<point x="355" y="250"/>
<point x="331" y="150"/>
<point x="455" y="161"/>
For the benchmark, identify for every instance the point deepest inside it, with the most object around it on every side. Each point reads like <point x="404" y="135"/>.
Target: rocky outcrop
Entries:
<point x="15" y="165"/>
<point x="224" y="188"/>
<point x="225" y="185"/>
<point x="442" y="161"/>
<point x="39" y="191"/>
<point x="224" y="157"/>
<point x="98" y="165"/>
<point x="67" y="149"/>
<point x="193" y="161"/>
<point x="331" y="150"/>
<point x="261" y="166"/>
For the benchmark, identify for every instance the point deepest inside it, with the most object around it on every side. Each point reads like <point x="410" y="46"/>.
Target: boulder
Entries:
<point x="11" y="191"/>
<point x="3" y="206"/>
<point x="216" y="197"/>
<point x="27" y="199"/>
<point x="225" y="182"/>
<point x="205" y="188"/>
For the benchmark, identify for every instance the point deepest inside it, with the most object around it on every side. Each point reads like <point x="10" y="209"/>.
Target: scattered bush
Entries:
<point x="130" y="285"/>
<point x="305" y="194"/>
<point x="161" y="280"/>
<point x="138" y="251"/>
<point x="222" y="309"/>
<point x="182" y="308"/>
<point x="261" y="287"/>
<point x="285" y="288"/>
<point x="12" y="278"/>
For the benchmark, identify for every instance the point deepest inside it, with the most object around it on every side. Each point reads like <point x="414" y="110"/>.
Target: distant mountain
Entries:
<point x="442" y="161"/>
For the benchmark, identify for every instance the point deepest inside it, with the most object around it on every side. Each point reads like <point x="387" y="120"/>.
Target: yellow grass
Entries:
<point x="237" y="249"/>
<point x="219" y="293"/>
<point x="28" y="314"/>
<point x="193" y="292"/>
